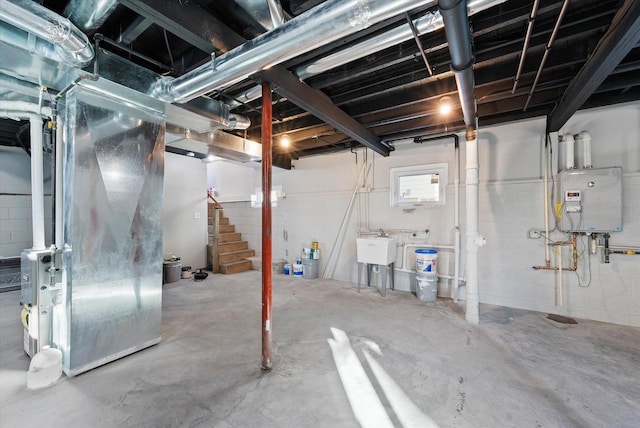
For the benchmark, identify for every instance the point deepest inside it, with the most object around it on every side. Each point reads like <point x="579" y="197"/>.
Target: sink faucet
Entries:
<point x="381" y="233"/>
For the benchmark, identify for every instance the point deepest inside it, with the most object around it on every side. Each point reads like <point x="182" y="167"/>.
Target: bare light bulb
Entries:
<point x="285" y="141"/>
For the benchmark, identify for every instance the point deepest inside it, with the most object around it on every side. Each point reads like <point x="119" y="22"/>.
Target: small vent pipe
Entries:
<point x="586" y="149"/>
<point x="569" y="146"/>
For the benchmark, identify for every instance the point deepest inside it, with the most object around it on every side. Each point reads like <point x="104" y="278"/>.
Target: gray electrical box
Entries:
<point x="591" y="200"/>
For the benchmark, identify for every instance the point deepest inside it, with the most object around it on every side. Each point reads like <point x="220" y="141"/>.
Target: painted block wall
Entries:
<point x="15" y="202"/>
<point x="318" y="191"/>
<point x="185" y="210"/>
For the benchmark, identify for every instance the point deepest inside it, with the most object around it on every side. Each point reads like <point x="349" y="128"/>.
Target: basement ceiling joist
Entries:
<point x="623" y="35"/>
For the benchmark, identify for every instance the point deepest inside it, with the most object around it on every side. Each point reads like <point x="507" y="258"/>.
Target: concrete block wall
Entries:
<point x="15" y="202"/>
<point x="511" y="202"/>
<point x="16" y="224"/>
<point x="185" y="210"/>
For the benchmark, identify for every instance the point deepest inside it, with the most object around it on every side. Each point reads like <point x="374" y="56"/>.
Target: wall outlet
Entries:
<point x="534" y="234"/>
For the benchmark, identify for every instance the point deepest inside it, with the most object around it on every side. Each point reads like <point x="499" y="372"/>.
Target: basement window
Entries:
<point x="418" y="186"/>
<point x="276" y="193"/>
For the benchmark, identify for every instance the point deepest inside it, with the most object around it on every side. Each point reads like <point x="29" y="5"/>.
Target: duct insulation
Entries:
<point x="112" y="228"/>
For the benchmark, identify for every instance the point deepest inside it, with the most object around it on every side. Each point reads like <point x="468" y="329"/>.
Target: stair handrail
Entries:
<point x="216" y="204"/>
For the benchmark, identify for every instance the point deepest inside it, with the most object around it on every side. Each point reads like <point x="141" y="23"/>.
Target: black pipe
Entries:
<point x="456" y="28"/>
<point x="456" y="139"/>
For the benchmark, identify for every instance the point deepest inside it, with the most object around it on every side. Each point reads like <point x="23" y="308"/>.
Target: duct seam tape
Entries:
<point x="426" y="260"/>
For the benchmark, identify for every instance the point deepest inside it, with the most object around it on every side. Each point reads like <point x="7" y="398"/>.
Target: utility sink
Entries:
<point x="377" y="251"/>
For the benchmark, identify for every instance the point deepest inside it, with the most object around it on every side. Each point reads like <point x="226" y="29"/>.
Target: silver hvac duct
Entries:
<point x="89" y="15"/>
<point x="268" y="13"/>
<point x="319" y="26"/>
<point x="427" y="23"/>
<point x="71" y="44"/>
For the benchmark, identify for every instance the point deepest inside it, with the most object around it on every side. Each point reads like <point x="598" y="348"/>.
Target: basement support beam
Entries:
<point x="622" y="36"/>
<point x="188" y="21"/>
<point x="266" y="227"/>
<point x="317" y="103"/>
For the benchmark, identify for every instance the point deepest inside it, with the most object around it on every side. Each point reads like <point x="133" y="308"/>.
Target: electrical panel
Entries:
<point x="590" y="200"/>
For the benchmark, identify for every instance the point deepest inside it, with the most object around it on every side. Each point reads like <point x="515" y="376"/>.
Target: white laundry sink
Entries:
<point x="378" y="250"/>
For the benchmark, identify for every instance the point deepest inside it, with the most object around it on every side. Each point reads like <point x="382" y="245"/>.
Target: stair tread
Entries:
<point x="236" y="252"/>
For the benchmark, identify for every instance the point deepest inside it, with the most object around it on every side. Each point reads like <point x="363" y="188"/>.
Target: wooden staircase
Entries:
<point x="226" y="251"/>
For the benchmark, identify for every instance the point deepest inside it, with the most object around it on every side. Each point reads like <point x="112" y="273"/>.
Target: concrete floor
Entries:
<point x="515" y="369"/>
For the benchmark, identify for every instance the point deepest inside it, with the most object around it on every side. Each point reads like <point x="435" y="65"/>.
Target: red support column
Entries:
<point x="266" y="227"/>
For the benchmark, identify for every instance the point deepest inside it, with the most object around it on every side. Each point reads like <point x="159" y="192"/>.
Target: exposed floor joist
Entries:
<point x="622" y="36"/>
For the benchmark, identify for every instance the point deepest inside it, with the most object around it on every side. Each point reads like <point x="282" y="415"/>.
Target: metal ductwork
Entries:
<point x="89" y="15"/>
<point x="268" y="13"/>
<point x="324" y="24"/>
<point x="427" y="23"/>
<point x="71" y="44"/>
<point x="456" y="27"/>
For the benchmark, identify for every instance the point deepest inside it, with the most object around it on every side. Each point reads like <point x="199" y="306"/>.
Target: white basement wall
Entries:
<point x="185" y="210"/>
<point x="318" y="191"/>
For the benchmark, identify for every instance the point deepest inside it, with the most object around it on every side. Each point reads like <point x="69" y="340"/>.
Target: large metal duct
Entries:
<point x="71" y="44"/>
<point x="324" y="24"/>
<point x="89" y="15"/>
<point x="427" y="23"/>
<point x="267" y="13"/>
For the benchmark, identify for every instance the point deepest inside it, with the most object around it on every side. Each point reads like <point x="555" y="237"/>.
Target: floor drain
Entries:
<point x="561" y="319"/>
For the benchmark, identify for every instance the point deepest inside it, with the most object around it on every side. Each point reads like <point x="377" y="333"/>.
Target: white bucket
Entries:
<point x="426" y="259"/>
<point x="427" y="288"/>
<point x="297" y="269"/>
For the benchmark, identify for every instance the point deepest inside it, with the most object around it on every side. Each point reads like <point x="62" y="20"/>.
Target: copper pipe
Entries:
<point x="547" y="48"/>
<point x="574" y="253"/>
<point x="527" y="38"/>
<point x="266" y="227"/>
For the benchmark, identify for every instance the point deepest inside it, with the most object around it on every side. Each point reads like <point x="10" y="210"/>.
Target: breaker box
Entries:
<point x="591" y="200"/>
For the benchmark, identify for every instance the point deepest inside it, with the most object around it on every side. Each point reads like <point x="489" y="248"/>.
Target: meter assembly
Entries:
<point x="591" y="200"/>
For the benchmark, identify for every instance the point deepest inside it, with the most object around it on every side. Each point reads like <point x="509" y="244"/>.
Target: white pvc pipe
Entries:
<point x="58" y="188"/>
<point x="340" y="237"/>
<point x="456" y="222"/>
<point x="586" y="147"/>
<point x="559" y="291"/>
<point x="474" y="240"/>
<point x="37" y="184"/>
<point x="547" y="256"/>
<point x="34" y="113"/>
<point x="569" y="145"/>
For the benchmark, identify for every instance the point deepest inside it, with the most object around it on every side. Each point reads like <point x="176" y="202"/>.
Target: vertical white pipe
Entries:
<point x="586" y="147"/>
<point x="58" y="189"/>
<point x="473" y="237"/>
<point x="547" y="256"/>
<point x="569" y="145"/>
<point x="456" y="220"/>
<point x="37" y="192"/>
<point x="559" y="291"/>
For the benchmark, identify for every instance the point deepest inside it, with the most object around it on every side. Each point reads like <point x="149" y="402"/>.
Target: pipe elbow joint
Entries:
<point x="449" y="4"/>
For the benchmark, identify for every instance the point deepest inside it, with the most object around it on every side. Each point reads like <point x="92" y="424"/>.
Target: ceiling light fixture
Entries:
<point x="445" y="105"/>
<point x="285" y="141"/>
